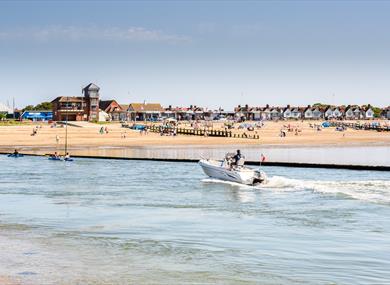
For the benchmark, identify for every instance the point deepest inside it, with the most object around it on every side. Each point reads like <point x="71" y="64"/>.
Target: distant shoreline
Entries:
<point x="308" y="145"/>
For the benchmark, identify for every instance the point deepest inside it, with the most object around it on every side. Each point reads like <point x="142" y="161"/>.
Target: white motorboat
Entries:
<point x="224" y="170"/>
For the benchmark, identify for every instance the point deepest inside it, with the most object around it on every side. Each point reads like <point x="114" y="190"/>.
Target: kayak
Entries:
<point x="54" y="158"/>
<point x="15" y="155"/>
<point x="60" y="159"/>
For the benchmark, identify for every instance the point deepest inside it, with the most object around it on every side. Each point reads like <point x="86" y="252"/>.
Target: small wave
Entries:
<point x="214" y="180"/>
<point x="377" y="191"/>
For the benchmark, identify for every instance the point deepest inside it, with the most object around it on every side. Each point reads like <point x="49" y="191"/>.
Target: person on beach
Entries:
<point x="57" y="139"/>
<point x="101" y="130"/>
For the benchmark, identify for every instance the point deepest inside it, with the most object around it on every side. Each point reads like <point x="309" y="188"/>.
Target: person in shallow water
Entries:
<point x="55" y="155"/>
<point x="16" y="152"/>
<point x="67" y="156"/>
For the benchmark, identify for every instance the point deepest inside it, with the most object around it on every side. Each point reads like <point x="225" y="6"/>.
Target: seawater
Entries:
<point x="142" y="222"/>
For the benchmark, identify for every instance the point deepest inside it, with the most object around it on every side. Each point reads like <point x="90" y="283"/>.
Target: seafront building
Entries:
<point x="90" y="107"/>
<point x="113" y="111"/>
<point x="85" y="108"/>
<point x="145" y="111"/>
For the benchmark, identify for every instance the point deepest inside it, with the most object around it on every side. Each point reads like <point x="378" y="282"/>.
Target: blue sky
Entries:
<point x="202" y="53"/>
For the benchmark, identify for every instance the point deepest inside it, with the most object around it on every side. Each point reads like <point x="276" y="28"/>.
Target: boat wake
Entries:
<point x="214" y="180"/>
<point x="375" y="191"/>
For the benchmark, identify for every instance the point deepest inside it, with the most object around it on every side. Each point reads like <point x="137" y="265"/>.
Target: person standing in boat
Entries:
<point x="237" y="157"/>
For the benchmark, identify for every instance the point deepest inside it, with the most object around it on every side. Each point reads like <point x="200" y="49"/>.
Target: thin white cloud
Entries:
<point x="75" y="33"/>
<point x="248" y="30"/>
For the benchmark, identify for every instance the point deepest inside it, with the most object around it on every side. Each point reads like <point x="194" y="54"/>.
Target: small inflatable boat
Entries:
<point x="15" y="155"/>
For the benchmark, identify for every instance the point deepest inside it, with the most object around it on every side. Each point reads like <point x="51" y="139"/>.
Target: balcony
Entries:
<point x="70" y="109"/>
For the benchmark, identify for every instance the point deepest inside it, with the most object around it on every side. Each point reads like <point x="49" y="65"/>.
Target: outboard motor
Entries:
<point x="260" y="177"/>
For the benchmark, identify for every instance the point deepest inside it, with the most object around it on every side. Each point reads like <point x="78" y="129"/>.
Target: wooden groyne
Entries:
<point x="204" y="132"/>
<point x="357" y="126"/>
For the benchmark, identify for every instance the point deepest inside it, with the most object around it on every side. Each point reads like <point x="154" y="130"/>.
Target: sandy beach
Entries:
<point x="7" y="281"/>
<point x="21" y="137"/>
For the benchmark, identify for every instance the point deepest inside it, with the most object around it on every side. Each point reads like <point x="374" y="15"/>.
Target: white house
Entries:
<point x="275" y="113"/>
<point x="256" y="114"/>
<point x="266" y="113"/>
<point x="337" y="112"/>
<point x="296" y="113"/>
<point x="353" y="112"/>
<point x="368" y="113"/>
<point x="317" y="112"/>
<point x="308" y="113"/>
<point x="287" y="113"/>
<point x="328" y="114"/>
<point x="386" y="112"/>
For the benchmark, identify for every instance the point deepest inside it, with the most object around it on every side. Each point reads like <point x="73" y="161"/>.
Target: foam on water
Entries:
<point x="375" y="191"/>
<point x="214" y="180"/>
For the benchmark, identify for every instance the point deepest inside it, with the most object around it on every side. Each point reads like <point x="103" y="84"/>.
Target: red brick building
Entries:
<point x="85" y="108"/>
<point x="117" y="112"/>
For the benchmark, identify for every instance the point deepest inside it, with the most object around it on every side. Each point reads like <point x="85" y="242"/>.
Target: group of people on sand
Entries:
<point x="103" y="130"/>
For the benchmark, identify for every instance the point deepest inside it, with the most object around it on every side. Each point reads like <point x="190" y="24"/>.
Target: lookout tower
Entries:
<point x="91" y="94"/>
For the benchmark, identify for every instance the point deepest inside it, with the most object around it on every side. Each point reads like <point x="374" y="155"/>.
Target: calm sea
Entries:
<point x="135" y="222"/>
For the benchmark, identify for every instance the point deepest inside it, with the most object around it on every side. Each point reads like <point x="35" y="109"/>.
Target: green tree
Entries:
<point x="28" y="108"/>
<point x="321" y="105"/>
<point x="377" y="111"/>
<point x="44" y="106"/>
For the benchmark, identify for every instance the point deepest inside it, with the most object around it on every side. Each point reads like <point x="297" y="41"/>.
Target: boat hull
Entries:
<point x="243" y="175"/>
